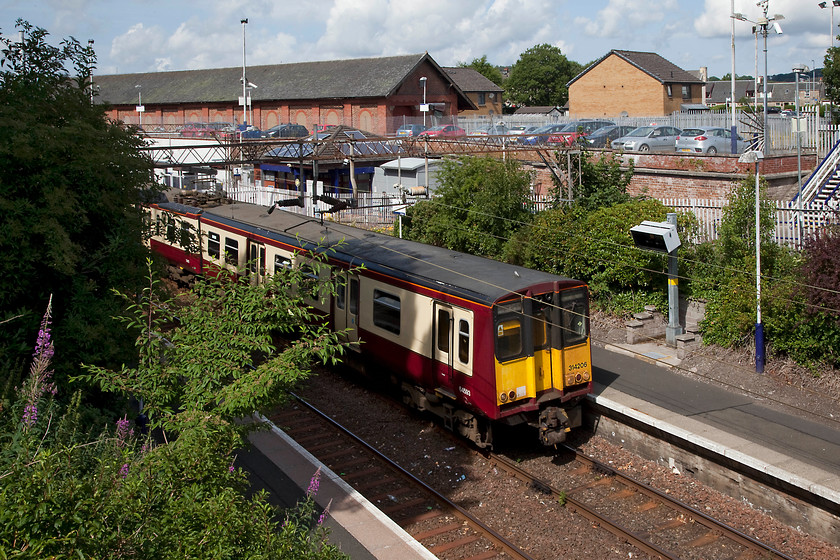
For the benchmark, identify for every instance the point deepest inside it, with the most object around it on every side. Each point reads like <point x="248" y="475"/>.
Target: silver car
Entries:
<point x="708" y="140"/>
<point x="648" y="138"/>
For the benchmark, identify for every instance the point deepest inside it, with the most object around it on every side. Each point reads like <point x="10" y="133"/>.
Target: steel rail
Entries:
<point x="505" y="545"/>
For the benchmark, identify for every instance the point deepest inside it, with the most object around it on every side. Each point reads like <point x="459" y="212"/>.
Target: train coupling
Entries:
<point x="554" y="424"/>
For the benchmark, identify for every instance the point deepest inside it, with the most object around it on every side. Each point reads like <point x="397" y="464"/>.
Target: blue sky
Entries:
<point x="155" y="35"/>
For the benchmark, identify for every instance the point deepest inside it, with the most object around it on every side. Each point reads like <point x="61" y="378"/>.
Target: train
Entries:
<point x="477" y="342"/>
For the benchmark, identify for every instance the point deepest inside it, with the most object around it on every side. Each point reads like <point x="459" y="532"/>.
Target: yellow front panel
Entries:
<point x="515" y="377"/>
<point x="575" y="364"/>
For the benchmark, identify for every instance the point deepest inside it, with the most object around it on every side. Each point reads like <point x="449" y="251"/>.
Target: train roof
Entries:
<point x="461" y="274"/>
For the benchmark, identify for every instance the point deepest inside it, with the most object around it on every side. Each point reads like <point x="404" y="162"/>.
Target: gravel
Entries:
<point x="422" y="446"/>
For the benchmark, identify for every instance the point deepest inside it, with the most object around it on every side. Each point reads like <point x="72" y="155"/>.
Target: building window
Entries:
<point x="213" y="240"/>
<point x="686" y="92"/>
<point x="386" y="311"/>
<point x="670" y="93"/>
<point x="481" y="99"/>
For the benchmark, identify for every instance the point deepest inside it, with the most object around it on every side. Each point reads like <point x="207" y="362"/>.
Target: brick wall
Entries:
<point x="701" y="176"/>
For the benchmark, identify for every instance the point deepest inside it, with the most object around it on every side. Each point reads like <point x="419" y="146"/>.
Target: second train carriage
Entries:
<point x="473" y="340"/>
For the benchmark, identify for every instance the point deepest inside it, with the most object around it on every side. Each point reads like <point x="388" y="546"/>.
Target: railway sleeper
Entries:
<point x="459" y="421"/>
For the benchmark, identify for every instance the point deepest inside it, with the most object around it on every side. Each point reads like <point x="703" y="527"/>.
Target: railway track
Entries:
<point x="647" y="518"/>
<point x="445" y="529"/>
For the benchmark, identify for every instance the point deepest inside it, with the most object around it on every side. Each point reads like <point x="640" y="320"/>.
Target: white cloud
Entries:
<point x="624" y="19"/>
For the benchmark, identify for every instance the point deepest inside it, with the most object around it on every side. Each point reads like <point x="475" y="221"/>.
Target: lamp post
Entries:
<point x="140" y="107"/>
<point x="244" y="22"/>
<point x="762" y="26"/>
<point x="798" y="70"/>
<point x="754" y="156"/>
<point x="824" y="5"/>
<point x="424" y="108"/>
<point x="734" y="127"/>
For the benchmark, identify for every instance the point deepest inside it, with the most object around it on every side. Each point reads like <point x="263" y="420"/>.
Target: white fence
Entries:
<point x="378" y="211"/>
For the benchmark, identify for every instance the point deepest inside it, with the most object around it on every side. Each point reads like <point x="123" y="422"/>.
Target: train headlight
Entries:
<point x="503" y="397"/>
<point x="512" y="395"/>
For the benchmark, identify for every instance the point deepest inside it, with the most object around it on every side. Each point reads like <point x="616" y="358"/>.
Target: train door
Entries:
<point x="346" y="308"/>
<point x="444" y="344"/>
<point x="256" y="261"/>
<point x="545" y="331"/>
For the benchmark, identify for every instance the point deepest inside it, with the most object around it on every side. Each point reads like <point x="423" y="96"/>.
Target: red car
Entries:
<point x="573" y="132"/>
<point x="443" y="131"/>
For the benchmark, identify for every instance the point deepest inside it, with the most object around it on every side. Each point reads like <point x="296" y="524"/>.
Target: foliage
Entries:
<point x="486" y="69"/>
<point x="70" y="182"/>
<point x="221" y="358"/>
<point x="831" y="75"/>
<point x="820" y="272"/>
<point x="120" y="494"/>
<point x="540" y="76"/>
<point x="596" y="182"/>
<point x="597" y="247"/>
<point x="480" y="203"/>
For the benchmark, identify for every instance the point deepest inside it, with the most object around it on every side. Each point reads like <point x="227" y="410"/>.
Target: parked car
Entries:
<point x="193" y="129"/>
<point x="708" y="140"/>
<point x="497" y="129"/>
<point x="411" y="129"/>
<point x="661" y="138"/>
<point x="575" y="130"/>
<point x="540" y="135"/>
<point x="444" y="131"/>
<point x="522" y="129"/>
<point x="602" y="137"/>
<point x="287" y="130"/>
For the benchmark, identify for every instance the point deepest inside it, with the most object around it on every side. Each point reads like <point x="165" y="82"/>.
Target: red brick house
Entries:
<point x="630" y="83"/>
<point x="374" y="94"/>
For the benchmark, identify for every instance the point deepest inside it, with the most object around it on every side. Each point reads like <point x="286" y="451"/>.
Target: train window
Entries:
<point x="514" y="306"/>
<point x="539" y="325"/>
<point x="281" y="262"/>
<point x="213" y="240"/>
<point x="386" y="311"/>
<point x="231" y="251"/>
<point x="574" y="316"/>
<point x="443" y="335"/>
<point x="508" y="339"/>
<point x="464" y="341"/>
<point x="170" y="232"/>
<point x="340" y="290"/>
<point x="354" y="296"/>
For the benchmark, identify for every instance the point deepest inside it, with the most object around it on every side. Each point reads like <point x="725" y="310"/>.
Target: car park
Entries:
<point x="575" y="130"/>
<point x="443" y="131"/>
<point x="602" y="137"/>
<point x="286" y="130"/>
<point x="654" y="138"/>
<point x="411" y="129"/>
<point x="708" y="140"/>
<point x="522" y="129"/>
<point x="540" y="135"/>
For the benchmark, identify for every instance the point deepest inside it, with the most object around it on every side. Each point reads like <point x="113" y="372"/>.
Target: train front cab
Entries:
<point x="543" y="360"/>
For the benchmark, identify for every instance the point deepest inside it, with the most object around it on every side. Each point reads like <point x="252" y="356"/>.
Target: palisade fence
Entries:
<point x="380" y="211"/>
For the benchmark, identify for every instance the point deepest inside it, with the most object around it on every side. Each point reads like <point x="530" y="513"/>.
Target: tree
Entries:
<point x="486" y="69"/>
<point x="480" y="203"/>
<point x="70" y="184"/>
<point x="596" y="183"/>
<point x="831" y="75"/>
<point x="540" y="76"/>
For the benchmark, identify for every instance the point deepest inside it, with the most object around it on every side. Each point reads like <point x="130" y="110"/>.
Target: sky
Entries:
<point x="132" y="36"/>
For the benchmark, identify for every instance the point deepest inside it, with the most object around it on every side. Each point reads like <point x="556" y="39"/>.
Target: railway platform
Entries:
<point x="282" y="467"/>
<point x="765" y="442"/>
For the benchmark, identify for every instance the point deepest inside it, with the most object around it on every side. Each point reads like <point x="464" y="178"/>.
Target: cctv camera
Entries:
<point x="777" y="28"/>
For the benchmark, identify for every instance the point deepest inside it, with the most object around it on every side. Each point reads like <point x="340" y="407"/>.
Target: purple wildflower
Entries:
<point x="124" y="429"/>
<point x="325" y="514"/>
<point x="39" y="382"/>
<point x="231" y="469"/>
<point x="124" y="470"/>
<point x="314" y="483"/>
<point x="30" y="415"/>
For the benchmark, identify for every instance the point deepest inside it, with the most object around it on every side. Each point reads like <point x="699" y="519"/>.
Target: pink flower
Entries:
<point x="314" y="483"/>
